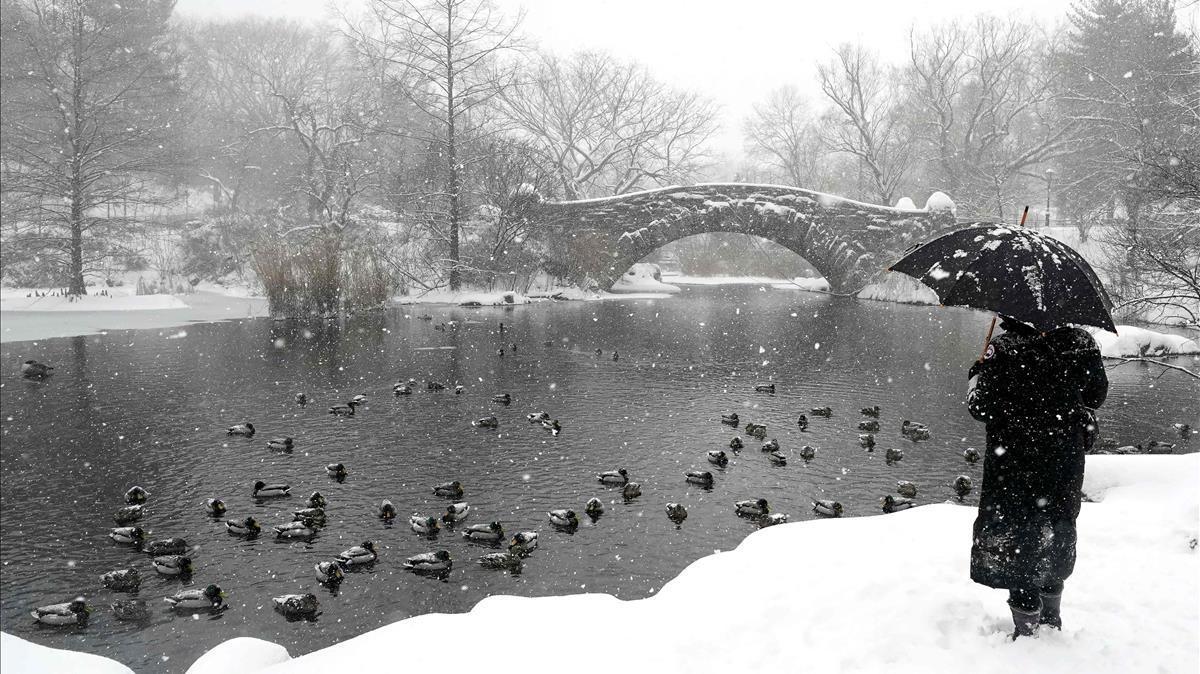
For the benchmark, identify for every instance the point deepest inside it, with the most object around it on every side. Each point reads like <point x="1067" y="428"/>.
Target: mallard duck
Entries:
<point x="777" y="458"/>
<point x="74" y="612"/>
<point x="700" y="477"/>
<point x="430" y="561"/>
<point x="502" y="398"/>
<point x="752" y="508"/>
<point x="490" y="421"/>
<point x="401" y="389"/>
<point x="870" y="425"/>
<point x="215" y="507"/>
<point x="764" y="388"/>
<point x="1157" y="447"/>
<point x="756" y="430"/>
<point x="866" y="441"/>
<point x="387" y="511"/>
<point x="821" y="411"/>
<point x="31" y="369"/>
<point x="599" y="353"/>
<point x="245" y="527"/>
<point x="336" y="470"/>
<point x="1184" y="430"/>
<point x="434" y="386"/>
<point x="808" y="453"/>
<point x="210" y="597"/>
<point x="906" y="489"/>
<point x="489" y="533"/>
<point x="553" y="427"/>
<point x="892" y="504"/>
<point x="343" y="409"/>
<point x="872" y="411"/>
<point x="563" y="518"/>
<point x="301" y="399"/>
<point x="244" y="429"/>
<point x="772" y="519"/>
<point x="329" y="573"/>
<point x="166" y="546"/>
<point x="296" y="605"/>
<point x="136" y="495"/>
<point x="316" y="500"/>
<point x="828" y="508"/>
<point x="128" y="535"/>
<point x="311" y="517"/>
<point x="914" y="431"/>
<point x="730" y="419"/>
<point x="593" y="508"/>
<point x="423" y="525"/>
<point x="802" y="422"/>
<point x="501" y="560"/>
<point x="631" y="491"/>
<point x="736" y="443"/>
<point x="500" y="352"/>
<point x="122" y="580"/>
<point x="449" y="489"/>
<point x="281" y="444"/>
<point x="264" y="490"/>
<point x="893" y="455"/>
<point x="616" y="356"/>
<point x="132" y="610"/>
<point x="962" y="486"/>
<point x="771" y="445"/>
<point x="129" y="514"/>
<point x="456" y="512"/>
<point x="359" y="399"/>
<point x="172" y="565"/>
<point x="523" y="543"/>
<point x="971" y="455"/>
<point x="537" y="417"/>
<point x="358" y="555"/>
<point x="459" y="389"/>
<point x="676" y="512"/>
<point x="295" y="529"/>
<point x="718" y="458"/>
<point x="617" y="477"/>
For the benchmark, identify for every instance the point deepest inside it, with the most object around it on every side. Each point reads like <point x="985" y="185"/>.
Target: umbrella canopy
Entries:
<point x="1013" y="271"/>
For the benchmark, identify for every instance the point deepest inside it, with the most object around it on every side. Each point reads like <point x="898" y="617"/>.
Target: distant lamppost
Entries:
<point x="1049" y="179"/>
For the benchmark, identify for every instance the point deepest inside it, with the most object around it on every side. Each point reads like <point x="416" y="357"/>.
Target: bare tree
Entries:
<point x="607" y="127"/>
<point x="785" y="133"/>
<point x="864" y="120"/>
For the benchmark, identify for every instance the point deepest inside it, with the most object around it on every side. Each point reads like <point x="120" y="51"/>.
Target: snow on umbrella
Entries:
<point x="1012" y="271"/>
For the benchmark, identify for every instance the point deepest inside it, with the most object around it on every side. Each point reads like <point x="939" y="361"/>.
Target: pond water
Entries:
<point x="150" y="407"/>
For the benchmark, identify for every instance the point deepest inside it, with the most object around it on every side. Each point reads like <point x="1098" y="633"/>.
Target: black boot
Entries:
<point x="1025" y="622"/>
<point x="1050" y="606"/>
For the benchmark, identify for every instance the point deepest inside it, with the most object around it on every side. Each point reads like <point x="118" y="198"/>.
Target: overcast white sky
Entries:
<point x="734" y="51"/>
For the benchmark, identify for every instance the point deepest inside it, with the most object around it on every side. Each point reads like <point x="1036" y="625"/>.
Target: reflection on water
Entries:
<point x="149" y="407"/>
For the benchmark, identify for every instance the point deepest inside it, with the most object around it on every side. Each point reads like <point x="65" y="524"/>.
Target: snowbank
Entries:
<point x="118" y="299"/>
<point x="818" y="284"/>
<point x="18" y="656"/>
<point x="236" y="656"/>
<point x="466" y="298"/>
<point x="685" y="280"/>
<point x="642" y="277"/>
<point x="896" y="287"/>
<point x="1132" y="341"/>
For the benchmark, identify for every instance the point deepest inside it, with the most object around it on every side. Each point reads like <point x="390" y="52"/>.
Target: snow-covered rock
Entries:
<point x="238" y="656"/>
<point x="940" y="201"/>
<point x="906" y="204"/>
<point x="643" y="277"/>
<point x="896" y="287"/>
<point x="1132" y="341"/>
<point x="18" y="656"/>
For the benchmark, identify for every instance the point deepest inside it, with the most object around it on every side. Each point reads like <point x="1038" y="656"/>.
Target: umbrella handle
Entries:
<point x="1024" y="214"/>
<point x="987" y="340"/>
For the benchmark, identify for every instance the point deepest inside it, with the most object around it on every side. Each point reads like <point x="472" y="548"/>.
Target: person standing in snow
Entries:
<point x="1037" y="393"/>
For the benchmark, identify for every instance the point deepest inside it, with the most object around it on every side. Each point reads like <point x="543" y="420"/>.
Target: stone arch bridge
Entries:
<point x="847" y="241"/>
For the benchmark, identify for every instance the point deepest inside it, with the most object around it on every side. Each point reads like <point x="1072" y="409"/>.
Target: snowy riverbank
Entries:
<point x="1132" y="341"/>
<point x="869" y="594"/>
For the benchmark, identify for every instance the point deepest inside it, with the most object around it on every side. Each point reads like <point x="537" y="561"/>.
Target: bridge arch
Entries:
<point x="848" y="242"/>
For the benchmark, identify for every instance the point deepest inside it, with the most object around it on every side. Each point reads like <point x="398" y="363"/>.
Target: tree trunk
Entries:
<point x="452" y="154"/>
<point x="75" y="282"/>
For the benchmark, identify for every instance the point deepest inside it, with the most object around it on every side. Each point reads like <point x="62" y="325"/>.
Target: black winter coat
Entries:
<point x="1036" y="393"/>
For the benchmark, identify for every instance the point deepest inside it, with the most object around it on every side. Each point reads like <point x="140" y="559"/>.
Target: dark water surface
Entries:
<point x="149" y="407"/>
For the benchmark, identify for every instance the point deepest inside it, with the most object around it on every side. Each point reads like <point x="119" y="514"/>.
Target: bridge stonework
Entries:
<point x="846" y="241"/>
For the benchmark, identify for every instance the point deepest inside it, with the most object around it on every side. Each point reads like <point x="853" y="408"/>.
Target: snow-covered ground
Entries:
<point x="1132" y="341"/>
<point x="122" y="298"/>
<point x="493" y="298"/>
<point x="641" y="279"/>
<point x="799" y="283"/>
<point x="888" y="593"/>
<point x="18" y="656"/>
<point x="896" y="287"/>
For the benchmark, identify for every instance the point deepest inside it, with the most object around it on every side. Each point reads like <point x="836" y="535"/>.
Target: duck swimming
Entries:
<point x="730" y="419"/>
<point x="764" y="388"/>
<point x="593" y="508"/>
<point x="456" y="512"/>
<point x="128" y="514"/>
<point x="802" y="422"/>
<point x="359" y="399"/>
<point x="296" y="605"/>
<point x="501" y="560"/>
<point x="962" y="486"/>
<point x="358" y="555"/>
<point x="906" y="489"/>
<point x="718" y="458"/>
<point x="423" y="525"/>
<point x="1184" y="430"/>
<point x="489" y="533"/>
<point x="536" y="417"/>
<point x="329" y="573"/>
<point x="215" y="507"/>
<point x="134" y="610"/>
<point x="631" y="491"/>
<point x="122" y="580"/>
<point x="264" y="490"/>
<point x="311" y="517"/>
<point x="771" y="446"/>
<point x="490" y="421"/>
<point x="752" y="508"/>
<point x="700" y="477"/>
<point x="245" y="430"/>
<point x="866" y="441"/>
<point x="401" y="389"/>
<point x="31" y="369"/>
<point x="870" y="426"/>
<point x="128" y="535"/>
<point x="808" y="453"/>
<point x="449" y="489"/>
<point x="1157" y="447"/>
<point x="247" y="527"/>
<point x="756" y="430"/>
<point x="296" y="529"/>
<point x="914" y="431"/>
<point x="777" y="458"/>
<point x="872" y="411"/>
<point x="210" y="597"/>
<point x="316" y="500"/>
<point x="523" y="543"/>
<point x="893" y="455"/>
<point x="301" y="399"/>
<point x="435" y="386"/>
<point x="893" y="504"/>
<point x="74" y="612"/>
<point x="343" y="409"/>
<point x="676" y="512"/>
<point x="971" y="455"/>
<point x="616" y="477"/>
<point x="828" y="508"/>
<point x="563" y="518"/>
<point x="502" y="398"/>
<point x="430" y="562"/>
<point x="173" y="565"/>
<point x="736" y="443"/>
<point x="821" y="411"/>
<point x="772" y="519"/>
<point x="281" y="444"/>
<point x="336" y="470"/>
<point x="553" y="427"/>
<point x="136" y="495"/>
<point x="387" y="511"/>
<point x="458" y="389"/>
<point x="166" y="546"/>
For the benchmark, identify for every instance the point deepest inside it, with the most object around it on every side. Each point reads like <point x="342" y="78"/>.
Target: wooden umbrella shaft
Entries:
<point x="987" y="340"/>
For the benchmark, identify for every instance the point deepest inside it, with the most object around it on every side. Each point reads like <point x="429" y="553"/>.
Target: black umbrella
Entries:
<point x="1013" y="271"/>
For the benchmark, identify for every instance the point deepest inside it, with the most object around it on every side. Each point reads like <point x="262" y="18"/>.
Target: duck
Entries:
<point x="676" y="512"/>
<point x="599" y="353"/>
<point x="962" y="486"/>
<point x="423" y="525"/>
<point x="893" y="504"/>
<point x="128" y="535"/>
<point x="771" y="445"/>
<point x="777" y="459"/>
<point x="490" y="421"/>
<point x="593" y="508"/>
<point x="74" y="612"/>
<point x="502" y="398"/>
<point x="359" y="399"/>
<point x="295" y="529"/>
<point x="753" y="507"/>
<point x="631" y="491"/>
<point x="430" y="562"/>
<point x="387" y="511"/>
<point x="893" y="455"/>
<point x="1184" y="430"/>
<point x="553" y="427"/>
<point x="500" y="352"/>
<point x="358" y="555"/>
<point x="489" y="533"/>
<point x="523" y="543"/>
<point x="906" y="489"/>
<point x="736" y="443"/>
<point x="563" y="518"/>
<point x="456" y="512"/>
<point x="172" y="565"/>
<point x="129" y="514"/>
<point x="872" y="411"/>
<point x="914" y="431"/>
<point x="336" y="470"/>
<point x="434" y="386"/>
<point x="772" y="519"/>
<point x="730" y="419"/>
<point x="501" y="560"/>
<point x="245" y="527"/>
<point x="166" y="546"/>
<point x="828" y="508"/>
<point x="866" y="441"/>
<point x="700" y="477"/>
<point x="821" y="411"/>
<point x="296" y="605"/>
<point x="281" y="444"/>
<point x="869" y="426"/>
<point x="802" y="422"/>
<point x="343" y="409"/>
<point x="616" y="356"/>
<point x="301" y="399"/>
<point x="244" y="429"/>
<point x="215" y="507"/>
<point x="536" y="417"/>
<point x="971" y="455"/>
<point x="808" y="453"/>
<point x="311" y="517"/>
<point x="133" y="610"/>
<point x="329" y="573"/>
<point x="619" y="476"/>
<point x="764" y="388"/>
<point x="211" y="597"/>
<point x="122" y="580"/>
<point x="401" y="389"/>
<point x="316" y="500"/>
<point x="459" y="389"/>
<point x="136" y="495"/>
<point x="718" y="458"/>
<point x="31" y="369"/>
<point x="756" y="430"/>
<point x="1157" y="447"/>
<point x="452" y="489"/>
<point x="264" y="490"/>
